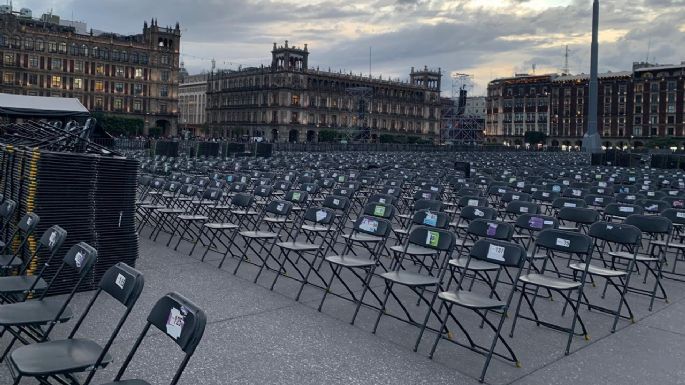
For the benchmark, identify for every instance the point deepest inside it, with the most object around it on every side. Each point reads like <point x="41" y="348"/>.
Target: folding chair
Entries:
<point x="580" y="218"/>
<point x="505" y="255"/>
<point x="321" y="218"/>
<point x="193" y="223"/>
<point x="179" y="319"/>
<point x="437" y="242"/>
<point x="226" y="229"/>
<point x="677" y="217"/>
<point x="612" y="236"/>
<point x="33" y="320"/>
<point x="554" y="241"/>
<point x="655" y="228"/>
<point x="620" y="211"/>
<point x="7" y="209"/>
<point x="471" y="213"/>
<point x="26" y="225"/>
<point x="275" y="218"/>
<point x="371" y="232"/>
<point x="124" y="284"/>
<point x="12" y="287"/>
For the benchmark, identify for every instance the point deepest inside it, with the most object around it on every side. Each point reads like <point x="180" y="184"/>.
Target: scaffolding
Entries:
<point x="360" y="129"/>
<point x="457" y="127"/>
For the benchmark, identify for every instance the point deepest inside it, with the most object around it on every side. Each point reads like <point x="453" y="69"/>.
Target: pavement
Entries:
<point x="258" y="336"/>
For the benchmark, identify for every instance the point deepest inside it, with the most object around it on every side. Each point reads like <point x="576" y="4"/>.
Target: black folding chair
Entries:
<point x="178" y="318"/>
<point x="505" y="255"/>
<point x="16" y="288"/>
<point x="58" y="361"/>
<point x="612" y="236"/>
<point x="7" y="209"/>
<point x="33" y="320"/>
<point x="26" y="226"/>
<point x="554" y="242"/>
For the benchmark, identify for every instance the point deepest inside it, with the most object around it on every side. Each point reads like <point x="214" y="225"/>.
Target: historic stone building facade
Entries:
<point x="289" y="101"/>
<point x="634" y="106"/>
<point x="192" y="103"/>
<point x="132" y="76"/>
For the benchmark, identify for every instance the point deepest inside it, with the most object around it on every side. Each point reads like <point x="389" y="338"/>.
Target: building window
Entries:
<point x="78" y="83"/>
<point x="670" y="119"/>
<point x="52" y="46"/>
<point x="73" y="49"/>
<point x="78" y="66"/>
<point x="115" y="54"/>
<point x="654" y="86"/>
<point x="165" y="76"/>
<point x="8" y="59"/>
<point x="95" y="52"/>
<point x="671" y="131"/>
<point x="118" y="87"/>
<point x="56" y="64"/>
<point x="137" y="106"/>
<point x="83" y="50"/>
<point x="98" y="103"/>
<point x="119" y="71"/>
<point x="62" y="47"/>
<point x="40" y="45"/>
<point x="137" y="89"/>
<point x="28" y="43"/>
<point x="144" y="59"/>
<point x="164" y="91"/>
<point x="138" y="73"/>
<point x="100" y="69"/>
<point x="164" y="59"/>
<point x="118" y="104"/>
<point x="162" y="108"/>
<point x="99" y="86"/>
<point x="123" y="56"/>
<point x="32" y="80"/>
<point x="8" y="78"/>
<point x="295" y="100"/>
<point x="56" y="81"/>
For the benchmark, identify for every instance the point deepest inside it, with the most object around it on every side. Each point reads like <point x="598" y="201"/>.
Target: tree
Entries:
<point x="534" y="137"/>
<point x="117" y="125"/>
<point x="663" y="142"/>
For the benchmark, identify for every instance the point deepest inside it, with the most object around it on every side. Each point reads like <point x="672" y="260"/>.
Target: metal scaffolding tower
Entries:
<point x="360" y="129"/>
<point x="457" y="126"/>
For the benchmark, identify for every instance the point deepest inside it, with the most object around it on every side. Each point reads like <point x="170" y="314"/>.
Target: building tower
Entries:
<point x="289" y="58"/>
<point x="427" y="78"/>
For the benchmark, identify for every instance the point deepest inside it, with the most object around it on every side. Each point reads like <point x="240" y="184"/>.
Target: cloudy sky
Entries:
<point x="484" y="38"/>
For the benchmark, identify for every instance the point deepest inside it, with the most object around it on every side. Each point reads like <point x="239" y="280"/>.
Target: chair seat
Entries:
<point x="221" y="226"/>
<point x="596" y="270"/>
<point x="317" y="228"/>
<point x="401" y="231"/>
<point x="8" y="262"/>
<point x="627" y="255"/>
<point x="190" y="217"/>
<point x="404" y="216"/>
<point x="568" y="228"/>
<point x="470" y="300"/>
<point x="33" y="312"/>
<point x="413" y="249"/>
<point x="170" y="211"/>
<point x="244" y="212"/>
<point x="277" y="220"/>
<point x="298" y="246"/>
<point x="361" y="237"/>
<point x="410" y="279"/>
<point x="673" y="245"/>
<point x="521" y="236"/>
<point x="128" y="382"/>
<point x="350" y="261"/>
<point x="254" y="234"/>
<point x="549" y="282"/>
<point x="475" y="264"/>
<point x="63" y="356"/>
<point x="153" y="207"/>
<point x="20" y="283"/>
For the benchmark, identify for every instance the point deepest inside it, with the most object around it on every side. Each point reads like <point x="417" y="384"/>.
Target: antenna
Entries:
<point x="649" y="48"/>
<point x="370" y="62"/>
<point x="565" y="70"/>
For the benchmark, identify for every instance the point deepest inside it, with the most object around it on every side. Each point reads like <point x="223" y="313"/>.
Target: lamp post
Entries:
<point x="591" y="139"/>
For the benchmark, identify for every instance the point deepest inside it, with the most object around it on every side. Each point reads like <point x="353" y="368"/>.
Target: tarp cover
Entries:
<point x="40" y="106"/>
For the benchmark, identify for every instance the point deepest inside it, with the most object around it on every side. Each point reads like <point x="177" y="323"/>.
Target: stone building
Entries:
<point x="634" y="106"/>
<point x="289" y="101"/>
<point x="132" y="76"/>
<point x="192" y="103"/>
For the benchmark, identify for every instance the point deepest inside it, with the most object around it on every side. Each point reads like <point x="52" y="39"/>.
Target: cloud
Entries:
<point x="487" y="38"/>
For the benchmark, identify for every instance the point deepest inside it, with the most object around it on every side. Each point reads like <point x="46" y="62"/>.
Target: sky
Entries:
<point x="486" y="39"/>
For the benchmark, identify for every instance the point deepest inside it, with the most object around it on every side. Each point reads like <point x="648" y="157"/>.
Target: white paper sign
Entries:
<point x="626" y="209"/>
<point x="175" y="322"/>
<point x="496" y="252"/>
<point x="320" y="215"/>
<point x="563" y="242"/>
<point x="472" y="202"/>
<point x="569" y="204"/>
<point x="120" y="281"/>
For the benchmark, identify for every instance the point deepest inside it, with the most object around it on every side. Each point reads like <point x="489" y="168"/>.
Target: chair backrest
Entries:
<point x="568" y="202"/>
<point x="433" y="238"/>
<point x="180" y="319"/>
<point x="212" y="194"/>
<point x="81" y="257"/>
<point x="7" y="209"/>
<point x="279" y="207"/>
<point x="491" y="229"/>
<point x="430" y="218"/>
<point x="428" y="204"/>
<point x="296" y="196"/>
<point x="522" y="207"/>
<point x="619" y="233"/>
<point x="651" y="224"/>
<point x="336" y="202"/>
<point x="564" y="241"/>
<point x="515" y="196"/>
<point x="263" y="191"/>
<point x="320" y="215"/>
<point x="622" y="209"/>
<point x="188" y="190"/>
<point x="675" y="215"/>
<point x="499" y="252"/>
<point x="470" y="213"/>
<point x="373" y="225"/>
<point x="426" y="195"/>
<point x="242" y="200"/>
<point x="382" y="198"/>
<point x="123" y="283"/>
<point x="53" y="238"/>
<point x="470" y="200"/>
<point x="29" y="222"/>
<point x="380" y="210"/>
<point x="578" y="215"/>
<point x="536" y="222"/>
